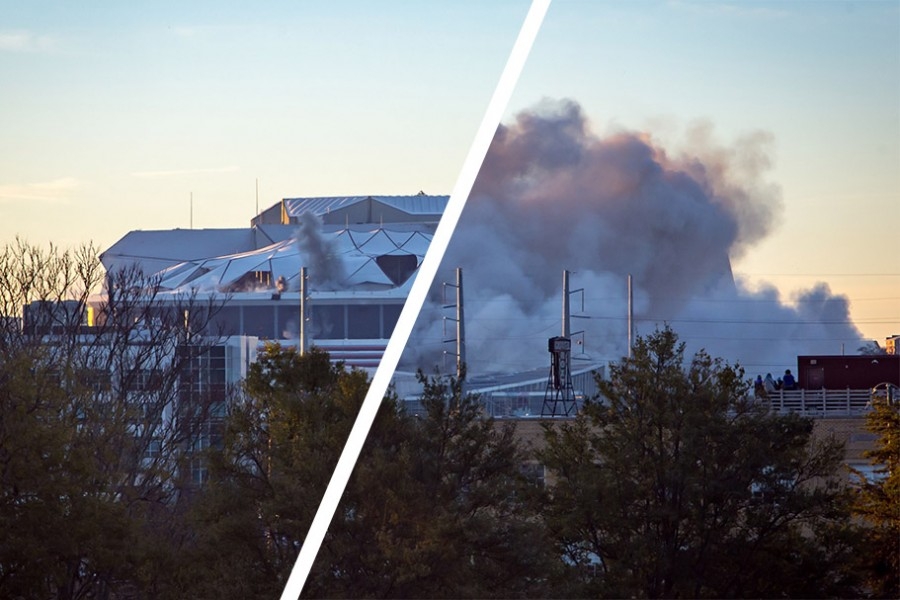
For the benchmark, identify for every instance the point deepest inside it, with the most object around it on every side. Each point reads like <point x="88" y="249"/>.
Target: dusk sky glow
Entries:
<point x="113" y="115"/>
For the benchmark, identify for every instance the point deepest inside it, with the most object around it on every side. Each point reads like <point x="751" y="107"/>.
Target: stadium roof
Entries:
<point x="361" y="256"/>
<point x="418" y="204"/>
<point x="157" y="250"/>
<point x="373" y="259"/>
<point x="347" y="243"/>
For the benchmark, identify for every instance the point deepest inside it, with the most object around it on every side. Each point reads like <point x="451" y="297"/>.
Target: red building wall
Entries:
<point x="841" y="372"/>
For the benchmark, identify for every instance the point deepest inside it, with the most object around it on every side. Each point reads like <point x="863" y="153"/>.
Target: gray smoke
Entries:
<point x="554" y="195"/>
<point x="325" y="267"/>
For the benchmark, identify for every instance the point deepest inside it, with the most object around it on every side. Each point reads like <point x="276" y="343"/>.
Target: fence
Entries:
<point x="822" y="403"/>
<point x="527" y="404"/>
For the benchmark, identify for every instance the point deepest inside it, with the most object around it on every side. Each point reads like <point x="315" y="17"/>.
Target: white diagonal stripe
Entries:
<point x="410" y="312"/>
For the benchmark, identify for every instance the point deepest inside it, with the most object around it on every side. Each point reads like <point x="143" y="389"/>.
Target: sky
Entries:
<point x="123" y="116"/>
<point x="113" y="115"/>
<point x="821" y="79"/>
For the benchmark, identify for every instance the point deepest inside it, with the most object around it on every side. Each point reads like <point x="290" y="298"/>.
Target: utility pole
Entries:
<point x="566" y="313"/>
<point x="630" y="317"/>
<point x="460" y="325"/>
<point x="303" y="312"/>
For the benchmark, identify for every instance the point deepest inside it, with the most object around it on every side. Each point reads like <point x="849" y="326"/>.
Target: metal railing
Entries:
<point x="822" y="403"/>
<point x="808" y="403"/>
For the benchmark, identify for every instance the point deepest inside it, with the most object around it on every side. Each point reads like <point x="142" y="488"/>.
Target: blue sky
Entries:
<point x="113" y="114"/>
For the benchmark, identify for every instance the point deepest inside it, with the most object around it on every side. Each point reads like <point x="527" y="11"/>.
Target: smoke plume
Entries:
<point x="326" y="269"/>
<point x="554" y="195"/>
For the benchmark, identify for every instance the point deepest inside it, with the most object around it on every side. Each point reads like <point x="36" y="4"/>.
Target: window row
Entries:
<point x="326" y="321"/>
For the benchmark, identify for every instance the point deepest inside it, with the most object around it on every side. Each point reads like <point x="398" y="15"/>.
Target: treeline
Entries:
<point x="98" y="448"/>
<point x="114" y="484"/>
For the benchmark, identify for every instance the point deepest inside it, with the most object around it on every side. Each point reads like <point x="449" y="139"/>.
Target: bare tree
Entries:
<point x="107" y="398"/>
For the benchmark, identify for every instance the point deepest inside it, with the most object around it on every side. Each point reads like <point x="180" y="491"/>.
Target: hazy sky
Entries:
<point x="113" y="114"/>
<point x="821" y="78"/>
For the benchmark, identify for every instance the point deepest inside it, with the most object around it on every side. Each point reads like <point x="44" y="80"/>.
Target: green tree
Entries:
<point x="437" y="507"/>
<point x="94" y="436"/>
<point x="878" y="502"/>
<point x="282" y="439"/>
<point x="675" y="483"/>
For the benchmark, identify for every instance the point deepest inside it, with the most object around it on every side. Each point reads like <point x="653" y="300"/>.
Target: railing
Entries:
<point x="822" y="403"/>
<point x="808" y="403"/>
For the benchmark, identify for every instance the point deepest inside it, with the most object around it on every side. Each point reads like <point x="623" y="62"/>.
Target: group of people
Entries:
<point x="764" y="387"/>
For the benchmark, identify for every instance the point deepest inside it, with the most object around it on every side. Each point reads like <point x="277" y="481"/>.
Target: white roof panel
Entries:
<point x="418" y="204"/>
<point x="358" y="251"/>
<point x="156" y="250"/>
<point x="319" y="206"/>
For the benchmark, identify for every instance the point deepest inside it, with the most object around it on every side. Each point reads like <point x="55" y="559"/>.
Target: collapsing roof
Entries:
<point x="154" y="251"/>
<point x="371" y="260"/>
<point x="352" y="243"/>
<point x="353" y="210"/>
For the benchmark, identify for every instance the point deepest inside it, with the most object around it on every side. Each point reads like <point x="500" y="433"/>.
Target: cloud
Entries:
<point x="180" y="172"/>
<point x="25" y="41"/>
<point x="55" y="191"/>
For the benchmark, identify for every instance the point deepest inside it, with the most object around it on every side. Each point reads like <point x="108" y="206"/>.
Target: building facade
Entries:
<point x="360" y="255"/>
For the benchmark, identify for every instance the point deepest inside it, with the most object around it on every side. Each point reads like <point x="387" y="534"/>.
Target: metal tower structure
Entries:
<point x="559" y="398"/>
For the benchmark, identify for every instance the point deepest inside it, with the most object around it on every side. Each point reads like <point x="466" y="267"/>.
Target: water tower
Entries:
<point x="559" y="399"/>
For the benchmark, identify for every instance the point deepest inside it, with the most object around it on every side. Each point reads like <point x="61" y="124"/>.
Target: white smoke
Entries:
<point x="320" y="255"/>
<point x="553" y="195"/>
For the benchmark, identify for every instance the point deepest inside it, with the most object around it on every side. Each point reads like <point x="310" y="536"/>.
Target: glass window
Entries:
<point x="259" y="321"/>
<point x="217" y="376"/>
<point x="199" y="472"/>
<point x="327" y="322"/>
<point x="364" y="321"/>
<point x="289" y="321"/>
<point x="226" y="321"/>
<point x="391" y="316"/>
<point x="153" y="450"/>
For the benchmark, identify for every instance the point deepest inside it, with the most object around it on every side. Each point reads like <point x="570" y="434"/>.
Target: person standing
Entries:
<point x="769" y="384"/>
<point x="759" y="389"/>
<point x="788" y="382"/>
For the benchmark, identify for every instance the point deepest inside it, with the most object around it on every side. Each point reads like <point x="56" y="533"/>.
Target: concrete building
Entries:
<point x="847" y="372"/>
<point x="361" y="254"/>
